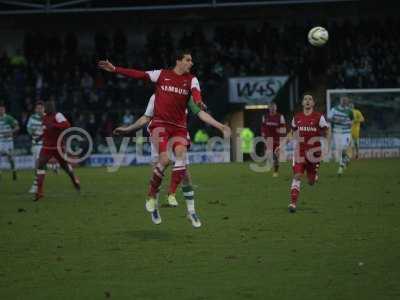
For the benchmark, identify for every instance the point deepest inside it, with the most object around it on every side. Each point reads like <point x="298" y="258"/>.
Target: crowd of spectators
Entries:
<point x="366" y="55"/>
<point x="362" y="55"/>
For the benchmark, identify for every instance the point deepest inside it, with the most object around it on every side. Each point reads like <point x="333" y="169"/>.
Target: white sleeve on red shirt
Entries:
<point x="195" y="84"/>
<point x="294" y="126"/>
<point x="195" y="90"/>
<point x="60" y="118"/>
<point x="323" y="123"/>
<point x="154" y="75"/>
<point x="283" y="120"/>
<point x="150" y="107"/>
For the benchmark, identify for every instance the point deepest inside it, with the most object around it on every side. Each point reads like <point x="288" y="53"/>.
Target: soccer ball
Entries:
<point x="318" y="36"/>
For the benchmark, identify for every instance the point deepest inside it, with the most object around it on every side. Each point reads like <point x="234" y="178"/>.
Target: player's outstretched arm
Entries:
<point x="207" y="118"/>
<point x="106" y="66"/>
<point x="137" y="74"/>
<point x="143" y="120"/>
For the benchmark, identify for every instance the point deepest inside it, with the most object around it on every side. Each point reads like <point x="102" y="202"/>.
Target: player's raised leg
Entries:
<point x="179" y="168"/>
<point x="154" y="188"/>
<point x="171" y="198"/>
<point x="155" y="214"/>
<point x="155" y="181"/>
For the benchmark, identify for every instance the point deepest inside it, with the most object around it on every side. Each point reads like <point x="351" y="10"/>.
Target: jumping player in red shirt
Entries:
<point x="308" y="127"/>
<point x="173" y="88"/>
<point x="54" y="123"/>
<point x="273" y="128"/>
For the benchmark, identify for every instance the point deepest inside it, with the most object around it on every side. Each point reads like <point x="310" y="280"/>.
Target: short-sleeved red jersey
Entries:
<point x="172" y="92"/>
<point x="272" y="124"/>
<point x="172" y="95"/>
<point x="53" y="125"/>
<point x="309" y="128"/>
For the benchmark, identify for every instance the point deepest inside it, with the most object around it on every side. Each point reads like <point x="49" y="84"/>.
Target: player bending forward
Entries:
<point x="173" y="88"/>
<point x="54" y="123"/>
<point x="308" y="127"/>
<point x="187" y="187"/>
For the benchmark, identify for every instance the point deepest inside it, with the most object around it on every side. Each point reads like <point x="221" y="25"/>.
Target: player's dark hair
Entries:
<point x="180" y="54"/>
<point x="2" y="104"/>
<point x="307" y="94"/>
<point x="39" y="102"/>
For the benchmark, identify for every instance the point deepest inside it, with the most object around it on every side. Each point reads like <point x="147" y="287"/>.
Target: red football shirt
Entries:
<point x="309" y="130"/>
<point x="53" y="125"/>
<point x="172" y="93"/>
<point x="272" y="124"/>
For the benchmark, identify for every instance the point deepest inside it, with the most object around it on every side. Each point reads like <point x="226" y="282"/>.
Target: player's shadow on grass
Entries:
<point x="149" y="235"/>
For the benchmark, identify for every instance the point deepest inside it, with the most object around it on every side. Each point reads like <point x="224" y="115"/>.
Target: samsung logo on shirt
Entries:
<point x="308" y="129"/>
<point x="173" y="89"/>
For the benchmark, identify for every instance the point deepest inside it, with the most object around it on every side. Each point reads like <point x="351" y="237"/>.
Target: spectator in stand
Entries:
<point x="91" y="125"/>
<point x="87" y="83"/>
<point x="107" y="126"/>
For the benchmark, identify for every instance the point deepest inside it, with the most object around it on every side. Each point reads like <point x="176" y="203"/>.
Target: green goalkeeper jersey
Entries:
<point x="341" y="119"/>
<point x="7" y="125"/>
<point x="35" y="129"/>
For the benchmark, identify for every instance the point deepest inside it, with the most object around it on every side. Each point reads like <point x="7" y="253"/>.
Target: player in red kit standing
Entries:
<point x="54" y="123"/>
<point x="273" y="128"/>
<point x="173" y="88"/>
<point x="308" y="127"/>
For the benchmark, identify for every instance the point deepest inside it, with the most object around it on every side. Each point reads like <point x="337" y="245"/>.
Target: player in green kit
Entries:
<point x="35" y="130"/>
<point x="8" y="128"/>
<point x="341" y="118"/>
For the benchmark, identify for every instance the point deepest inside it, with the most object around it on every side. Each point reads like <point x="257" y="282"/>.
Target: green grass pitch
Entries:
<point x="343" y="243"/>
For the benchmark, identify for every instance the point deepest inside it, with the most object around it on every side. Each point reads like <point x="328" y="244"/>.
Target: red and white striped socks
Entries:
<point x="178" y="172"/>
<point x="156" y="180"/>
<point x="295" y="191"/>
